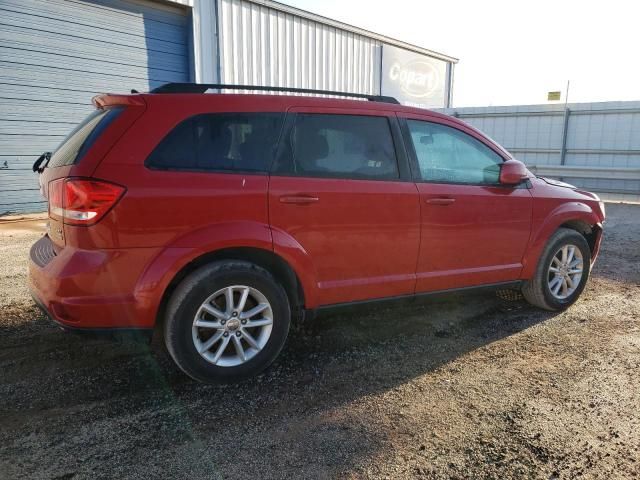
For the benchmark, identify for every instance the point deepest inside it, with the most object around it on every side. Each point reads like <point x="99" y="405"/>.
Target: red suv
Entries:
<point x="220" y="218"/>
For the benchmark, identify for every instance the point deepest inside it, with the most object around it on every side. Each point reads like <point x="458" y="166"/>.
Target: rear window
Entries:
<point x="220" y="142"/>
<point x="80" y="140"/>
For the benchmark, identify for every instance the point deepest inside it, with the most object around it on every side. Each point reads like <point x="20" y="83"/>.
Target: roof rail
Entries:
<point x="203" y="87"/>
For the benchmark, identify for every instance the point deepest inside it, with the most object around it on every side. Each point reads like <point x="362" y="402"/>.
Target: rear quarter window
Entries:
<point x="230" y="142"/>
<point x="81" y="138"/>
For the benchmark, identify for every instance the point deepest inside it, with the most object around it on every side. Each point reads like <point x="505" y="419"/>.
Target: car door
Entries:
<point x="474" y="230"/>
<point x="341" y="189"/>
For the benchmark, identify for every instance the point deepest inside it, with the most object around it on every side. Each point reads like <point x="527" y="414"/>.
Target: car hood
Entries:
<point x="558" y="184"/>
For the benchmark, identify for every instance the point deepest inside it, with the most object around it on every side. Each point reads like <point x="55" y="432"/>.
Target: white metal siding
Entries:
<point x="55" y="55"/>
<point x="262" y="46"/>
<point x="600" y="136"/>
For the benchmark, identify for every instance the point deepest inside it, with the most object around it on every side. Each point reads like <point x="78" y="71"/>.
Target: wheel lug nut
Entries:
<point x="222" y="322"/>
<point x="243" y="321"/>
<point x="238" y="334"/>
<point x="225" y="334"/>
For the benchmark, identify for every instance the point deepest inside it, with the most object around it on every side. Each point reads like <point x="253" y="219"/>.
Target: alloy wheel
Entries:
<point x="565" y="271"/>
<point x="232" y="326"/>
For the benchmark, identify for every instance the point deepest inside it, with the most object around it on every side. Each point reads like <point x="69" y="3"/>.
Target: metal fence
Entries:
<point x="591" y="145"/>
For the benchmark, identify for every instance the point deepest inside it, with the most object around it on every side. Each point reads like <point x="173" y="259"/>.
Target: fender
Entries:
<point x="300" y="261"/>
<point x="171" y="259"/>
<point x="175" y="256"/>
<point x="552" y="221"/>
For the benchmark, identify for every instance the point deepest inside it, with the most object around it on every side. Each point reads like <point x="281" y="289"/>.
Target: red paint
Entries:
<point x="352" y="234"/>
<point x="346" y="240"/>
<point x="480" y="238"/>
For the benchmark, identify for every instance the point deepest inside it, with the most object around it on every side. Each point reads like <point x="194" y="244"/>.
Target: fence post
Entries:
<point x="565" y="128"/>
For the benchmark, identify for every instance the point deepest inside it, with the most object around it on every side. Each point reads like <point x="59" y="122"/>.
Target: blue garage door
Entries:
<point x="55" y="55"/>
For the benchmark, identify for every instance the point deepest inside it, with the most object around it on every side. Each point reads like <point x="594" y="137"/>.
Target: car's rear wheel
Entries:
<point x="226" y="321"/>
<point x="562" y="271"/>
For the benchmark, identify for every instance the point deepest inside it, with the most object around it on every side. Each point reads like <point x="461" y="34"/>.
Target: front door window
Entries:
<point x="447" y="155"/>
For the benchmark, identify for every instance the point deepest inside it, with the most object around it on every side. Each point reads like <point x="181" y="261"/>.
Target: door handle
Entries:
<point x="440" y="201"/>
<point x="298" y="199"/>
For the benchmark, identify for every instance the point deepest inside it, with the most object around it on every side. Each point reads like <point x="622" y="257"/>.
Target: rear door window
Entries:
<point x="80" y="140"/>
<point x="342" y="146"/>
<point x="244" y="142"/>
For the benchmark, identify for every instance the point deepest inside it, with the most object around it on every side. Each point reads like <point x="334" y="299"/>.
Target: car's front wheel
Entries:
<point x="562" y="271"/>
<point x="226" y="321"/>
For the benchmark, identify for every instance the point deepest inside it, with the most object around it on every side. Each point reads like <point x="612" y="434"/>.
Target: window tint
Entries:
<point x="447" y="155"/>
<point x="78" y="142"/>
<point x="347" y="146"/>
<point x="224" y="141"/>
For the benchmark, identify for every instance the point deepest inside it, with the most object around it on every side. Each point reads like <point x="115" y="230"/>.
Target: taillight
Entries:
<point x="82" y="202"/>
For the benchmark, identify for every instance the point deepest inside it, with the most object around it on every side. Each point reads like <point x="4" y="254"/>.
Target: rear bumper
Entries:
<point x="40" y="304"/>
<point x="134" y="332"/>
<point x="82" y="289"/>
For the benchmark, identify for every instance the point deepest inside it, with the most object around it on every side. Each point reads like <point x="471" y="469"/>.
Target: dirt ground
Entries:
<point x="465" y="386"/>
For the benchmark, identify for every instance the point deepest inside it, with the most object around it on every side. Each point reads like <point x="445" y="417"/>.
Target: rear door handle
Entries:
<point x="440" y="201"/>
<point x="298" y="199"/>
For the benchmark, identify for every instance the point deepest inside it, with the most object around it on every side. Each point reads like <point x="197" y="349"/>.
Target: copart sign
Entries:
<point x="412" y="78"/>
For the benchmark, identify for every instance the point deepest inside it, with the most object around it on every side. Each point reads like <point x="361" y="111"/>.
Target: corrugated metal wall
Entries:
<point x="55" y="55"/>
<point x="262" y="46"/>
<point x="602" y="150"/>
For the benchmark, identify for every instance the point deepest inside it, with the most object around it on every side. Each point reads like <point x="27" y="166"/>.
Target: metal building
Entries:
<point x="56" y="54"/>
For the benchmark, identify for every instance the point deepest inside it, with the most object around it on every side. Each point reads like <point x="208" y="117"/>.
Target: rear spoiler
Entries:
<point x="111" y="99"/>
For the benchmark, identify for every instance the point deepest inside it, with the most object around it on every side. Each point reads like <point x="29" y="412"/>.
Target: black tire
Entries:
<point x="189" y="296"/>
<point x="536" y="290"/>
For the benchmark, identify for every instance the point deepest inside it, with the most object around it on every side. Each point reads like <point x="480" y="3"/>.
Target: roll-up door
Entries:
<point x="55" y="55"/>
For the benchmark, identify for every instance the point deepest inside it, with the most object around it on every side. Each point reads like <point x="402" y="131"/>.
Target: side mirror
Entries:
<point x="513" y="172"/>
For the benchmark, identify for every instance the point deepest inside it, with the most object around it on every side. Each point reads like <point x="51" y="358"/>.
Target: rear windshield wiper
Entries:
<point x="41" y="163"/>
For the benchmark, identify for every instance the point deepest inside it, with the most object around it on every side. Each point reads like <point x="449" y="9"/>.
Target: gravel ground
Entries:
<point x="465" y="386"/>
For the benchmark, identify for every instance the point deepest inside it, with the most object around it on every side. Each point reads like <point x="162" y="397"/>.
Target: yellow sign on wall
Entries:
<point x="553" y="96"/>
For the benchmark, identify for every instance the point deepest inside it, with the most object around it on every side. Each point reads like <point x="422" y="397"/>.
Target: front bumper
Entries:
<point x="597" y="242"/>
<point x="90" y="289"/>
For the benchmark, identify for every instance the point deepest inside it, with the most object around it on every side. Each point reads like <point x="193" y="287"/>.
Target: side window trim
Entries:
<point x="402" y="156"/>
<point x="285" y="143"/>
<point x="284" y="146"/>
<point x="411" y="151"/>
<point x="413" y="156"/>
